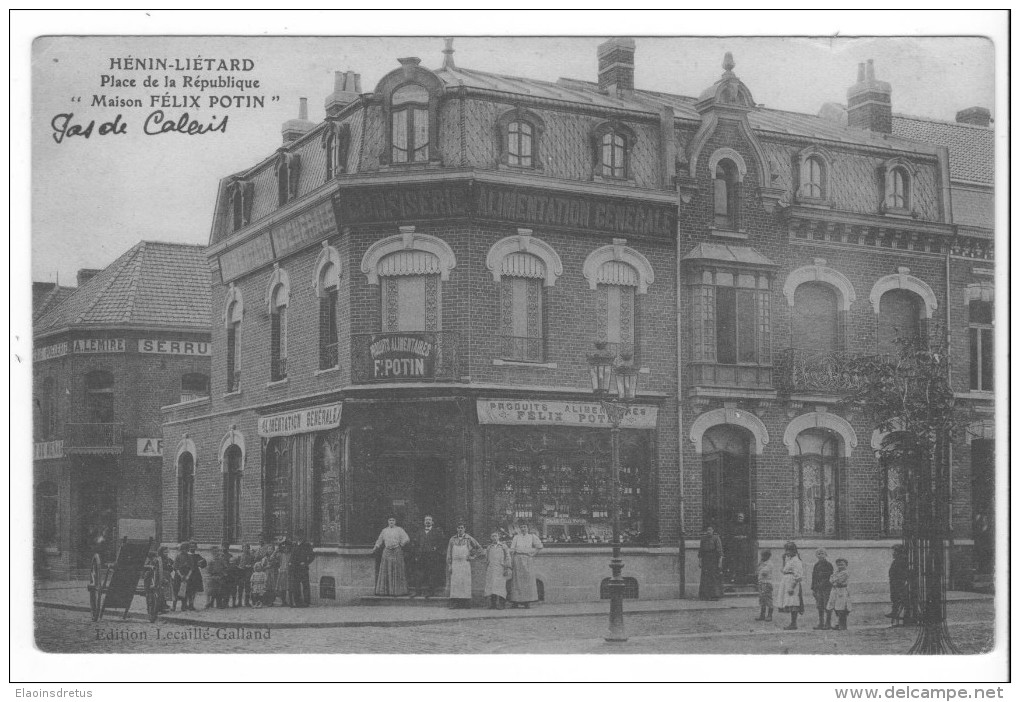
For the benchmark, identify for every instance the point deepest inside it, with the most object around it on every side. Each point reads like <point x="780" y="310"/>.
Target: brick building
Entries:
<point x="108" y="355"/>
<point x="404" y="296"/>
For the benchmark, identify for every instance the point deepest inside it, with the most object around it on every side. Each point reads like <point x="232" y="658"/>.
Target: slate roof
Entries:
<point x="46" y="296"/>
<point x="152" y="285"/>
<point x="587" y="93"/>
<point x="971" y="147"/>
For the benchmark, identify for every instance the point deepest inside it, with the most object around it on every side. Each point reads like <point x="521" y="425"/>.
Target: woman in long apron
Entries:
<point x="523" y="585"/>
<point x="459" y="554"/>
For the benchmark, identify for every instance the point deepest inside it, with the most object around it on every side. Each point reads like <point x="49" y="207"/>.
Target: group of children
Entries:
<point x="250" y="578"/>
<point x="830" y="587"/>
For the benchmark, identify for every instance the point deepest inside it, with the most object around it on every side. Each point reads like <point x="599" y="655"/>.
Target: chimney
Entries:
<point x="346" y="89"/>
<point x="869" y="101"/>
<point x="981" y="116"/>
<point x="87" y="274"/>
<point x="294" y="129"/>
<point x="616" y="66"/>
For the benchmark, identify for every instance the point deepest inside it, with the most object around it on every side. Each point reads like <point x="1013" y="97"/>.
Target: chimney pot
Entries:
<point x="294" y="129"/>
<point x="869" y="101"/>
<point x="303" y="108"/>
<point x="346" y="89"/>
<point x="871" y="69"/>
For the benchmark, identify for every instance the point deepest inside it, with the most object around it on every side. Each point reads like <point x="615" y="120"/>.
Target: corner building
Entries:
<point x="404" y="296"/>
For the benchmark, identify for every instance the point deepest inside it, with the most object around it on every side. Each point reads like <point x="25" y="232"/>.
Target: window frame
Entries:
<point x="981" y="334"/>
<point x="185" y="497"/>
<point x="192" y="396"/>
<point x="613" y="130"/>
<point x="336" y="139"/>
<point x="233" y="473"/>
<point x="410" y="74"/>
<point x="834" y="462"/>
<point x="730" y="219"/>
<point x="100" y="406"/>
<point x="503" y="138"/>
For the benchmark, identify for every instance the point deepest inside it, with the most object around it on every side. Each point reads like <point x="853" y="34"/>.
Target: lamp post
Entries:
<point x="603" y="363"/>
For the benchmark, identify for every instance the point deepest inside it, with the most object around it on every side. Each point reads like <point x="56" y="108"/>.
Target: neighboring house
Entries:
<point x="404" y="297"/>
<point x="131" y="338"/>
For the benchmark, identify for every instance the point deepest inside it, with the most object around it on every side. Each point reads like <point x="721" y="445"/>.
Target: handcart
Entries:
<point x="136" y="571"/>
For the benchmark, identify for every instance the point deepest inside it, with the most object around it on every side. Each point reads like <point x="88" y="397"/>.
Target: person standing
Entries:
<point x="392" y="579"/>
<point x="459" y="554"/>
<point x="182" y="570"/>
<point x="272" y="568"/>
<point x="258" y="585"/>
<point x="300" y="560"/>
<point x="523" y="583"/>
<point x="195" y="583"/>
<point x="498" y="570"/>
<point x="839" y="598"/>
<point x="898" y="587"/>
<point x="821" y="587"/>
<point x="791" y="592"/>
<point x="245" y="563"/>
<point x="283" y="576"/>
<point x="429" y="575"/>
<point x="166" y="584"/>
<point x="710" y="554"/>
<point x="217" y="573"/>
<point x="765" y="587"/>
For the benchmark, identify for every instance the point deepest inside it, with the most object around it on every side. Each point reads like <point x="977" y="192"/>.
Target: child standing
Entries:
<point x="898" y="576"/>
<point x="765" y="587"/>
<point x="258" y="585"/>
<point x="821" y="588"/>
<point x="839" y="598"/>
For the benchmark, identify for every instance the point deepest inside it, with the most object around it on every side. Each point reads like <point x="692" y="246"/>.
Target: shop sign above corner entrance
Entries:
<point x="560" y="413"/>
<point x="403" y="355"/>
<point x="310" y="419"/>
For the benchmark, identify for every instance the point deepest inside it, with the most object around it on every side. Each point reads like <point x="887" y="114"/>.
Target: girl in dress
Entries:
<point x="765" y="587"/>
<point x="839" y="598"/>
<point x="258" y="585"/>
<point x="791" y="593"/>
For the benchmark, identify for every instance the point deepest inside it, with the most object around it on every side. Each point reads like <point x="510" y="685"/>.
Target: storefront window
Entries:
<point x="328" y="507"/>
<point x="278" y="488"/>
<point x="558" y="479"/>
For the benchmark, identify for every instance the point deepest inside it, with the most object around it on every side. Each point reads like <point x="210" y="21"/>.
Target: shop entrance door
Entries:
<point x="416" y="486"/>
<point x="97" y="520"/>
<point x="726" y="495"/>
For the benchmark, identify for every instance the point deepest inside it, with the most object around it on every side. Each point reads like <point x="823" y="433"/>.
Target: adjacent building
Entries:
<point x="108" y="355"/>
<point x="404" y="296"/>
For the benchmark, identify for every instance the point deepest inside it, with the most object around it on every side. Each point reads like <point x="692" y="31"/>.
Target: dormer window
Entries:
<point x="895" y="179"/>
<point x="813" y="186"/>
<point x="613" y="142"/>
<point x="409" y="120"/>
<point x="336" y="145"/>
<point x="520" y="135"/>
<point x="519" y="146"/>
<point x="239" y="197"/>
<point x="724" y="188"/>
<point x="899" y="192"/>
<point x="288" y="171"/>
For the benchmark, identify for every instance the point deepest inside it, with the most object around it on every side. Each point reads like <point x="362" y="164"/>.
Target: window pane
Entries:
<point x="987" y="360"/>
<point x="746" y="337"/>
<point x="980" y="312"/>
<point x="410" y="303"/>
<point x="421" y="135"/>
<point x="400" y="136"/>
<point x="975" y="358"/>
<point x="815" y="318"/>
<point x="410" y="93"/>
<point x="726" y="325"/>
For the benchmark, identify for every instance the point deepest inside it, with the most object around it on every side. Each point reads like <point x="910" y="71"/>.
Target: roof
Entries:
<point x="971" y="147"/>
<point x="587" y="93"/>
<point x="744" y="255"/>
<point x="152" y="285"/>
<point x="46" y="296"/>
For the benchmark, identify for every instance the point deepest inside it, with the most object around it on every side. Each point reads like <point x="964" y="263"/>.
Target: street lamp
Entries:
<point x="602" y="364"/>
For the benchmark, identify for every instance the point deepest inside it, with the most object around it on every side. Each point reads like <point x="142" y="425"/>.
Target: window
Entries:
<point x="239" y="196"/>
<point x="232" y="494"/>
<point x="724" y="189"/>
<point x="327" y="496"/>
<point x="329" y="346"/>
<point x="817" y="483"/>
<point x="46" y="514"/>
<point x="736" y="333"/>
<point x="233" y="322"/>
<point x="613" y="142"/>
<point x="521" y="308"/>
<point x="899" y="316"/>
<point x="99" y="397"/>
<point x="185" y="495"/>
<point x="278" y="334"/>
<point x="732" y="315"/>
<point x="194" y="386"/>
<point x="899" y="192"/>
<point x="278" y="510"/>
<point x="519" y="149"/>
<point x="981" y="323"/>
<point x="894" y="474"/>
<point x="816" y="319"/>
<point x="336" y="140"/>
<point x="812" y="178"/>
<point x="288" y="173"/>
<point x="46" y="404"/>
<point x="616" y="316"/>
<point x="409" y="123"/>
<point x="895" y="183"/>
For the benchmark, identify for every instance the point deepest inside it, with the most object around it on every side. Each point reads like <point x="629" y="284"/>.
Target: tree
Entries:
<point x="909" y="397"/>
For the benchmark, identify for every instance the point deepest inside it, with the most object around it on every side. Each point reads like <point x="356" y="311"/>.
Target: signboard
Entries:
<point x="403" y="355"/>
<point x="136" y="529"/>
<point x="439" y="201"/>
<point x="564" y="414"/>
<point x="306" y="228"/>
<point x="246" y="257"/>
<point x="49" y="449"/>
<point x="175" y="347"/>
<point x="301" y="421"/>
<point x="152" y="448"/>
<point x="98" y="346"/>
<point x="541" y="208"/>
<point x="48" y="352"/>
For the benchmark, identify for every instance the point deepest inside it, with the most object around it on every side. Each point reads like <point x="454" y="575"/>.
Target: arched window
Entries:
<point x="409" y="123"/>
<point x="522" y="326"/>
<point x="816" y="319"/>
<point x="895" y="473"/>
<point x="278" y="334"/>
<point x="900" y="315"/>
<point x="278" y="511"/>
<point x="232" y="472"/>
<point x="336" y="141"/>
<point x="613" y="143"/>
<point x="899" y="190"/>
<point x="981" y="323"/>
<point x="46" y="512"/>
<point x="813" y="178"/>
<point x="329" y="346"/>
<point x="520" y="136"/>
<point x="288" y="174"/>
<point x="185" y="495"/>
<point x="724" y="190"/>
<point x="239" y="194"/>
<point x="99" y="397"/>
<point x="232" y="316"/>
<point x="194" y="386"/>
<point x="817" y="483"/>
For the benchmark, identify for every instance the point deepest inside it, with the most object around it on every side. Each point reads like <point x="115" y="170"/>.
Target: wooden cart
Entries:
<point x="136" y="571"/>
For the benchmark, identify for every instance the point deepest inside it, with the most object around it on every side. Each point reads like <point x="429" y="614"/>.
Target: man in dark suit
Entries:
<point x="429" y="559"/>
<point x="300" y="559"/>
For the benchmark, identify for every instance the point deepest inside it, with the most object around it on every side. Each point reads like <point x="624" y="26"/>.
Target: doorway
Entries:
<point x="97" y="520"/>
<point x="726" y="496"/>
<point x="416" y="485"/>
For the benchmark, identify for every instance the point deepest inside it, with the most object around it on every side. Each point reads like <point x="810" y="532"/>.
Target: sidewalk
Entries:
<point x="73" y="595"/>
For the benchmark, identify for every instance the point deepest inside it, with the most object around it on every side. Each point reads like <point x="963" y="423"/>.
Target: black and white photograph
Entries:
<point x="632" y="339"/>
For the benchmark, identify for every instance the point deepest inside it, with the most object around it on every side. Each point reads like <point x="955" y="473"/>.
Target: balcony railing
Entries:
<point x="105" y="437"/>
<point x="522" y="348"/>
<point x="749" y="375"/>
<point x="808" y="371"/>
<point x="403" y="357"/>
<point x="329" y="356"/>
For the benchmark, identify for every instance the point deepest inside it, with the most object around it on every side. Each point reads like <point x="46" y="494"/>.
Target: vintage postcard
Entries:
<point x="545" y="345"/>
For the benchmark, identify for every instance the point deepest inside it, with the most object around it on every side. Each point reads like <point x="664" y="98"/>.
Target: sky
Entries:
<point x="94" y="198"/>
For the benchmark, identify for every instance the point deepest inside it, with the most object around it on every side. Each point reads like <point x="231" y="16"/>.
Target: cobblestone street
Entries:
<point x="708" y="631"/>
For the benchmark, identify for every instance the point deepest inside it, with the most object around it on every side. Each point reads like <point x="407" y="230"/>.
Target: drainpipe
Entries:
<point x="947" y="216"/>
<point x="680" y="412"/>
